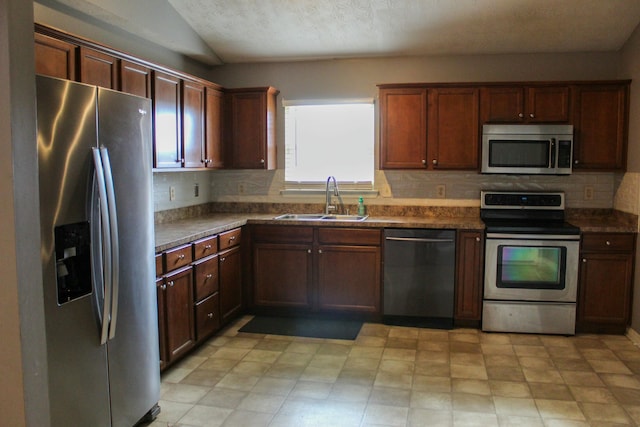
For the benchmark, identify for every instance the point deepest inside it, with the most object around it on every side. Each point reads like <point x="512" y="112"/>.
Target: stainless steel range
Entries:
<point x="531" y="263"/>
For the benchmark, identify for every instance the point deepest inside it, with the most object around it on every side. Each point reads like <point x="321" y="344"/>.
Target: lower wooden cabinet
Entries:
<point x="605" y="282"/>
<point x="177" y="299"/>
<point x="230" y="270"/>
<point x="207" y="317"/>
<point x="469" y="278"/>
<point x="316" y="269"/>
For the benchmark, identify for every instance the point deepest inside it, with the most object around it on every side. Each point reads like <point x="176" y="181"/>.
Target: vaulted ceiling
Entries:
<point x="231" y="31"/>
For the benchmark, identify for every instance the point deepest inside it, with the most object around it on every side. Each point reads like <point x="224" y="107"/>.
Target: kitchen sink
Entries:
<point x="321" y="217"/>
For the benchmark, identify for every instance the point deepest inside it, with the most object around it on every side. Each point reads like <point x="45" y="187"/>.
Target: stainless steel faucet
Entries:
<point x="328" y="206"/>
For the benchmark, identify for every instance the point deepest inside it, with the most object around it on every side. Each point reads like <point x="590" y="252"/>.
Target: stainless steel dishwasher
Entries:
<point x="419" y="271"/>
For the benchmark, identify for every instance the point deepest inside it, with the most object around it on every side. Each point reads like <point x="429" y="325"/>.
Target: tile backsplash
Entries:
<point x="583" y="190"/>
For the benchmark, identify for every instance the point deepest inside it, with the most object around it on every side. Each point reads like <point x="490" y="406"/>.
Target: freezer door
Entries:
<point x="124" y="129"/>
<point x="77" y="363"/>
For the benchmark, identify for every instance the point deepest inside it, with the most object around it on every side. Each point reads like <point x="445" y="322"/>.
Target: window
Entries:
<point x="323" y="139"/>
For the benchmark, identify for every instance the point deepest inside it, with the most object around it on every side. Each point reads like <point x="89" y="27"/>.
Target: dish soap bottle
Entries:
<point x="361" y="208"/>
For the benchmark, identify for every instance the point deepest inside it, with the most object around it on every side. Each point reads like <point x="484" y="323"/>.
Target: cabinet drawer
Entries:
<point x="178" y="257"/>
<point x="349" y="236"/>
<point x="207" y="317"/>
<point x="206" y="277"/>
<point x="229" y="239"/>
<point x="608" y="242"/>
<point x="282" y="234"/>
<point x="205" y="247"/>
<point x="159" y="266"/>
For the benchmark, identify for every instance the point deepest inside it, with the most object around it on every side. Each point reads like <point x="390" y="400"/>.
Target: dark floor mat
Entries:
<point x="304" y="327"/>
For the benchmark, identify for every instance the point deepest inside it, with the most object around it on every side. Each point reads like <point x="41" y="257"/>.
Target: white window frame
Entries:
<point x="347" y="185"/>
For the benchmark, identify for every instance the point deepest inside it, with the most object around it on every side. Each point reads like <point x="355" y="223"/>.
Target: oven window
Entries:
<point x="519" y="153"/>
<point x="531" y="267"/>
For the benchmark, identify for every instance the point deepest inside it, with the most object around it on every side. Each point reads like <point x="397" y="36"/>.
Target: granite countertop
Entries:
<point x="181" y="231"/>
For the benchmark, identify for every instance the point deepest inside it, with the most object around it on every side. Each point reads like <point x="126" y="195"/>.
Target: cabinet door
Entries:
<point x="207" y="317"/>
<point x="349" y="279"/>
<point x="214" y="151"/>
<point x="229" y="269"/>
<point x="453" y="128"/>
<point x="469" y="278"/>
<point x="135" y="79"/>
<point x="605" y="292"/>
<point x="403" y="128"/>
<point x="179" y="313"/>
<point x="502" y="104"/>
<point x="167" y="133"/>
<point x="600" y="132"/>
<point x="252" y="128"/>
<point x="282" y="275"/>
<point x="193" y="124"/>
<point x="547" y="104"/>
<point x="55" y="58"/>
<point x="98" y="68"/>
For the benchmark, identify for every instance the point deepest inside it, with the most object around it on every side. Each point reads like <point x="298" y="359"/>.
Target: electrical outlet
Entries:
<point x="196" y="190"/>
<point x="172" y="193"/>
<point x="588" y="192"/>
<point x="441" y="191"/>
<point x="241" y="188"/>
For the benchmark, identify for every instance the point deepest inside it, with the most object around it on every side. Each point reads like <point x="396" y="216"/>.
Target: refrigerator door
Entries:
<point x="77" y="363"/>
<point x="124" y="129"/>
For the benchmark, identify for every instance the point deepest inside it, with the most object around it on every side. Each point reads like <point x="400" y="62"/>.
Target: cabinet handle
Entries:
<point x="520" y="115"/>
<point x="163" y="287"/>
<point x="222" y="259"/>
<point x="209" y="276"/>
<point x="232" y="238"/>
<point x="171" y="283"/>
<point x="207" y="247"/>
<point x="181" y="256"/>
<point x="210" y="315"/>
<point x="434" y="161"/>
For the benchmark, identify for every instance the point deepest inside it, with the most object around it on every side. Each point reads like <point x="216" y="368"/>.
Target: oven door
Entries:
<point x="531" y="268"/>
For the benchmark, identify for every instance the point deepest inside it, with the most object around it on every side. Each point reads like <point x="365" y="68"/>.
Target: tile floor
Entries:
<point x="399" y="376"/>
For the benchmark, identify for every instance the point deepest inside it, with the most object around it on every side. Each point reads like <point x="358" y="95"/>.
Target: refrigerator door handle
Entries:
<point x="106" y="243"/>
<point x="115" y="249"/>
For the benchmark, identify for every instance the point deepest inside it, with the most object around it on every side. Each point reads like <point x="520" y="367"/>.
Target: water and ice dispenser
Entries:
<point x="73" y="261"/>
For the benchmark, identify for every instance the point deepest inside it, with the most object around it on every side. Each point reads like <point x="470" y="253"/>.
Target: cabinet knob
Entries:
<point x="532" y="115"/>
<point x="576" y="161"/>
<point x="308" y="251"/>
<point x="434" y="161"/>
<point x="171" y="284"/>
<point x="608" y="243"/>
<point x="477" y="239"/>
<point x="262" y="161"/>
<point x="424" y="162"/>
<point x="163" y="287"/>
<point x="210" y="315"/>
<point x="319" y="251"/>
<point x="520" y="115"/>
<point x="584" y="260"/>
<point x="222" y="259"/>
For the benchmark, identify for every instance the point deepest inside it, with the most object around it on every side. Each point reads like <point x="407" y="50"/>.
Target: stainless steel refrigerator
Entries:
<point x="96" y="212"/>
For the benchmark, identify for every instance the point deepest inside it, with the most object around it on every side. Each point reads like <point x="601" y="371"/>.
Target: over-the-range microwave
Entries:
<point x="527" y="149"/>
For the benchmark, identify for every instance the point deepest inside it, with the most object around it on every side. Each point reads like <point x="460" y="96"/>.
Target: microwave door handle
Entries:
<point x="552" y="153"/>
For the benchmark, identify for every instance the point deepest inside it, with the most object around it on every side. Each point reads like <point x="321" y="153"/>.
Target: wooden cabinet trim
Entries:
<point x="349" y="236"/>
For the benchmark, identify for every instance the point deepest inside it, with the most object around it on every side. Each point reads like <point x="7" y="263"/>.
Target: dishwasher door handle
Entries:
<point x="419" y="239"/>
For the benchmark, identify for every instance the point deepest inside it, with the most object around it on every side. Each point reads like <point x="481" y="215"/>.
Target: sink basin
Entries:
<point x="321" y="217"/>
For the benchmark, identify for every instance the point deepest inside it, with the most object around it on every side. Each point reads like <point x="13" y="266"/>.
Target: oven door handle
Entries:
<point x="511" y="236"/>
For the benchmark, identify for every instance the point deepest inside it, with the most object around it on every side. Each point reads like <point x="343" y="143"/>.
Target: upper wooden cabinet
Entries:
<point x="167" y="121"/>
<point x="250" y="129"/>
<point x="214" y="111"/>
<point x="135" y="79"/>
<point x="429" y="128"/>
<point x="453" y="135"/>
<point x="600" y="120"/>
<point x="55" y="58"/>
<point x="193" y="109"/>
<point x="403" y="128"/>
<point x="98" y="68"/>
<point x="525" y="104"/>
